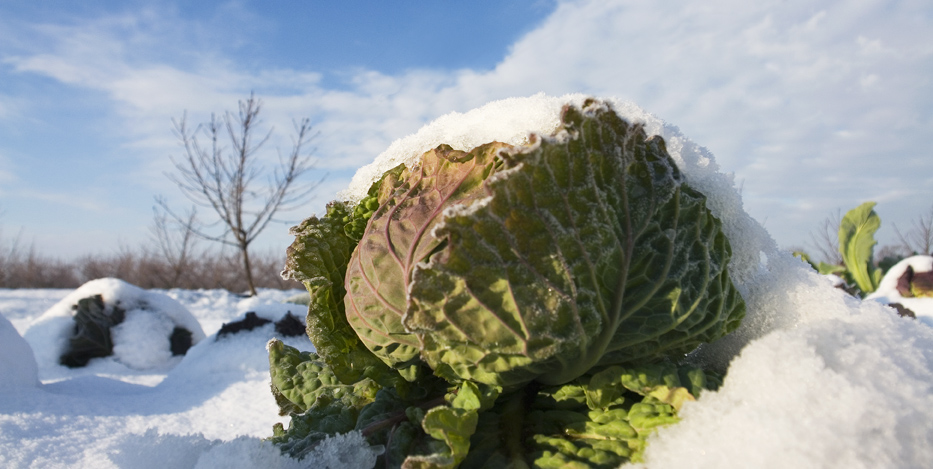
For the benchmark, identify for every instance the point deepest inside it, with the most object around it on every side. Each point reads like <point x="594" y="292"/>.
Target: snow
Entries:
<point x="17" y="362"/>
<point x="816" y="378"/>
<point x="829" y="381"/>
<point x="212" y="409"/>
<point x="508" y="121"/>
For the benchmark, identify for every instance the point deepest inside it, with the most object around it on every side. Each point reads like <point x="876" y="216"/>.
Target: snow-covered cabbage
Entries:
<point x="550" y="272"/>
<point x="141" y="329"/>
<point x="908" y="287"/>
<point x="511" y="264"/>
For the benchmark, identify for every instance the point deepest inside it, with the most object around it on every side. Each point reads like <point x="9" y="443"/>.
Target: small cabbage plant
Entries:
<point x="509" y="305"/>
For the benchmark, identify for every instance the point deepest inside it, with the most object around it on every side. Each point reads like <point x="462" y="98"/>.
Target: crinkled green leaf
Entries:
<point x="302" y="379"/>
<point x="398" y="237"/>
<point x="610" y="424"/>
<point x="856" y="244"/>
<point x="473" y="396"/>
<point x="326" y="418"/>
<point x="581" y="438"/>
<point x="321" y="248"/>
<point x="664" y="382"/>
<point x="451" y="426"/>
<point x="660" y="381"/>
<point x="588" y="248"/>
<point x="650" y="414"/>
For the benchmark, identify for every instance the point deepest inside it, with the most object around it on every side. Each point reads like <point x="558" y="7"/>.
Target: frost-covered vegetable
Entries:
<point x="908" y="287"/>
<point x="107" y="317"/>
<point x="509" y="303"/>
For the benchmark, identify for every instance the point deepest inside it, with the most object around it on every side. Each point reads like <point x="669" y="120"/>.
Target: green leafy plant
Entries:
<point x="856" y="246"/>
<point x="857" y="243"/>
<point x="510" y="305"/>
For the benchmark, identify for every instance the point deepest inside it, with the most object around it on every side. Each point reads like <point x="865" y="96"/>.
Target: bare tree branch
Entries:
<point x="919" y="238"/>
<point x="175" y="246"/>
<point x="228" y="180"/>
<point x="826" y="239"/>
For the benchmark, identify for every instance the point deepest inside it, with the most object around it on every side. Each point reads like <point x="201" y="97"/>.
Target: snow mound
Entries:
<point x="235" y="355"/>
<point x="888" y="293"/>
<point x="17" y="363"/>
<point x="140" y="341"/>
<point x="830" y="381"/>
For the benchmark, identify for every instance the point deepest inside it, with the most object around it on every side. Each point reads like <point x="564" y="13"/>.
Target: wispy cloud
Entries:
<point x="84" y="202"/>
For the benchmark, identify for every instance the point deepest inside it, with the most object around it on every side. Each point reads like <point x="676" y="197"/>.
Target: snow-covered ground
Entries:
<point x="211" y="408"/>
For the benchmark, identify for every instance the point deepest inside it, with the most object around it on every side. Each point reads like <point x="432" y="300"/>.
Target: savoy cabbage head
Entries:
<point x="515" y="267"/>
<point x="511" y="264"/>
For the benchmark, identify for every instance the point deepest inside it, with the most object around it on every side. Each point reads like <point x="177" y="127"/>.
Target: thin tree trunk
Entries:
<point x="249" y="270"/>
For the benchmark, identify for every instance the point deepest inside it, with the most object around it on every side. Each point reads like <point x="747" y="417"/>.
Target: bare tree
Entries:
<point x="919" y="238"/>
<point x="228" y="181"/>
<point x="826" y="239"/>
<point x="176" y="244"/>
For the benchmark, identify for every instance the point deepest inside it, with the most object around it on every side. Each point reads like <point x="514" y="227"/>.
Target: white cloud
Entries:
<point x="814" y="106"/>
<point x="85" y="202"/>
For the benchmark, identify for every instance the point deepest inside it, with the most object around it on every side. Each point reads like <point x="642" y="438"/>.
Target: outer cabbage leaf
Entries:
<point x="301" y="380"/>
<point x="587" y="249"/>
<point x="318" y="403"/>
<point x="398" y="237"/>
<point x="318" y="258"/>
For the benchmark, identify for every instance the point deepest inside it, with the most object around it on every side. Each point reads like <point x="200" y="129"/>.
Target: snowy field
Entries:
<point x="210" y="408"/>
<point x="848" y="384"/>
<point x="816" y="378"/>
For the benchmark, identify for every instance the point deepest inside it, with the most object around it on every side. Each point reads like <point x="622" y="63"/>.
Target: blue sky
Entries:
<point x="815" y="106"/>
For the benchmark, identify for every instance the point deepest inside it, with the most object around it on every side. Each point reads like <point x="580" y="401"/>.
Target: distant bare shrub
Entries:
<point x="141" y="267"/>
<point x="25" y="268"/>
<point x="207" y="270"/>
<point x="30" y="270"/>
<point x="919" y="238"/>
